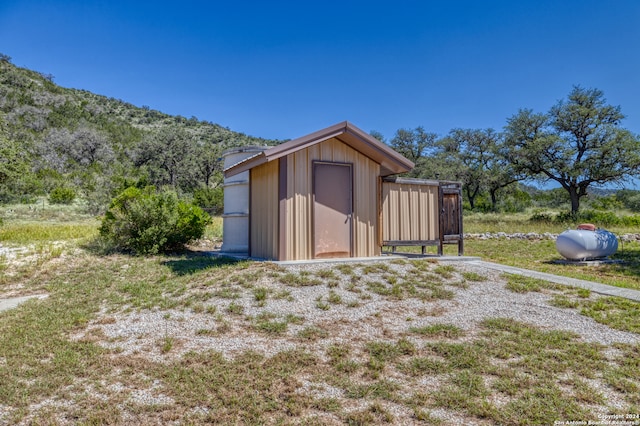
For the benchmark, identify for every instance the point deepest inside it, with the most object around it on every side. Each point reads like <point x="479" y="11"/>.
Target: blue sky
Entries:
<point x="282" y="69"/>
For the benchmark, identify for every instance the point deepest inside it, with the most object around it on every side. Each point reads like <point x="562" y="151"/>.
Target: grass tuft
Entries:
<point x="439" y="330"/>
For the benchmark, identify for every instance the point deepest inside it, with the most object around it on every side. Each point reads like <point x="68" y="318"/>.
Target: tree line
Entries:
<point x="67" y="143"/>
<point x="579" y="144"/>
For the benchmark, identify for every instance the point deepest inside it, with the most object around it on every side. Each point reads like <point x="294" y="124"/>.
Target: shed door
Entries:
<point x="332" y="209"/>
<point x="451" y="217"/>
<point x="450" y="214"/>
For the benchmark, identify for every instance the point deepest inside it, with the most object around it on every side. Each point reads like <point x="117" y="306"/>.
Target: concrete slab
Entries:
<point x="457" y="258"/>
<point x="604" y="289"/>
<point x="382" y="258"/>
<point x="15" y="301"/>
<point x="337" y="260"/>
<point x="591" y="262"/>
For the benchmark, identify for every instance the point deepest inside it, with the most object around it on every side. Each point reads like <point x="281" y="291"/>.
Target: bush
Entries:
<point x="147" y="222"/>
<point x="211" y="199"/>
<point x="610" y="202"/>
<point x="598" y="218"/>
<point x="515" y="201"/>
<point x="541" y="218"/>
<point x="633" y="220"/>
<point x="629" y="198"/>
<point x="62" y="195"/>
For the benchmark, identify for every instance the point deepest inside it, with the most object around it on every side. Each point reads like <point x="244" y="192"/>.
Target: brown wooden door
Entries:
<point x="332" y="209"/>
<point x="450" y="214"/>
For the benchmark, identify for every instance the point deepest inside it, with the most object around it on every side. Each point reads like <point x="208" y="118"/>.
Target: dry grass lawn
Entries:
<point x="191" y="339"/>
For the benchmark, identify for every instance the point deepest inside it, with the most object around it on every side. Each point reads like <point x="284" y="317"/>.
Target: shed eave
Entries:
<point x="391" y="162"/>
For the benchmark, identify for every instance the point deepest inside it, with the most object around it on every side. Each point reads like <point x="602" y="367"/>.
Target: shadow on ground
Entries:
<point x="194" y="261"/>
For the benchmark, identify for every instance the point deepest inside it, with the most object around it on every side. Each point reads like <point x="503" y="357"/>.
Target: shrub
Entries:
<point x="629" y="198"/>
<point x="62" y="195"/>
<point x="609" y="202"/>
<point x="211" y="199"/>
<point x="599" y="218"/>
<point x="147" y="222"/>
<point x="633" y="220"/>
<point x="541" y="218"/>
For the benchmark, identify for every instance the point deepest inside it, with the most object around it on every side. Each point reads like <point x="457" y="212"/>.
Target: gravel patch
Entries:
<point x="490" y="299"/>
<point x="347" y="310"/>
<point x="374" y="317"/>
<point x="10" y="253"/>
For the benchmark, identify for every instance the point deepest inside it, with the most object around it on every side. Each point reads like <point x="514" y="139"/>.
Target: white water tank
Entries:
<point x="235" y="218"/>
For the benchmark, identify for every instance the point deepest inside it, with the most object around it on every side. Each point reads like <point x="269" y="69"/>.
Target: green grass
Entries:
<point x="439" y="330"/>
<point x="473" y="276"/>
<point x="15" y="233"/>
<point x="505" y="359"/>
<point x="615" y="312"/>
<point x="299" y="280"/>
<point x="519" y="222"/>
<point x="540" y="254"/>
<point x="214" y="229"/>
<point x="42" y="211"/>
<point x="523" y="284"/>
<point x="312" y="333"/>
<point x="500" y="372"/>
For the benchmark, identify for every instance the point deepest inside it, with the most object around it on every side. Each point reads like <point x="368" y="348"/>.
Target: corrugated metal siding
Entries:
<point x="409" y="212"/>
<point x="264" y="211"/>
<point x="299" y="199"/>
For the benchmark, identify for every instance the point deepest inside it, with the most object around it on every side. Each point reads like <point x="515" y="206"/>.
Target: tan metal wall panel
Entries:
<point x="366" y="174"/>
<point x="299" y="220"/>
<point x="264" y="211"/>
<point x="409" y="212"/>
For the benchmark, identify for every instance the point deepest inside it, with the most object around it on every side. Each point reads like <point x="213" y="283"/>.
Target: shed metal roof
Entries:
<point x="390" y="161"/>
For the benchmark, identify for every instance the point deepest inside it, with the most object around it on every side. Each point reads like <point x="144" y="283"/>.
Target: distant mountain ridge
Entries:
<point x="30" y="97"/>
<point x="52" y="136"/>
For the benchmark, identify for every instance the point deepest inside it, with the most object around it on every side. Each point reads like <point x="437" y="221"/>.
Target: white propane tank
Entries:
<point x="585" y="243"/>
<point x="235" y="218"/>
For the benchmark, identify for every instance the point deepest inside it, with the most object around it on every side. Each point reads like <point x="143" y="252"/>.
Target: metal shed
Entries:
<point x="323" y="196"/>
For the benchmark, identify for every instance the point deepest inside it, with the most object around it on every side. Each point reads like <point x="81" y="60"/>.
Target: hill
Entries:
<point x="92" y="145"/>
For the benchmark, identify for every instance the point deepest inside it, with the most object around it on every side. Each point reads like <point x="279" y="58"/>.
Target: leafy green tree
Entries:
<point x="414" y="144"/>
<point x="169" y="157"/>
<point x="500" y="174"/>
<point x="419" y="146"/>
<point x="472" y="156"/>
<point x="10" y="164"/>
<point x="208" y="162"/>
<point x="13" y="168"/>
<point x="578" y="143"/>
<point x="469" y="150"/>
<point x="66" y="151"/>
